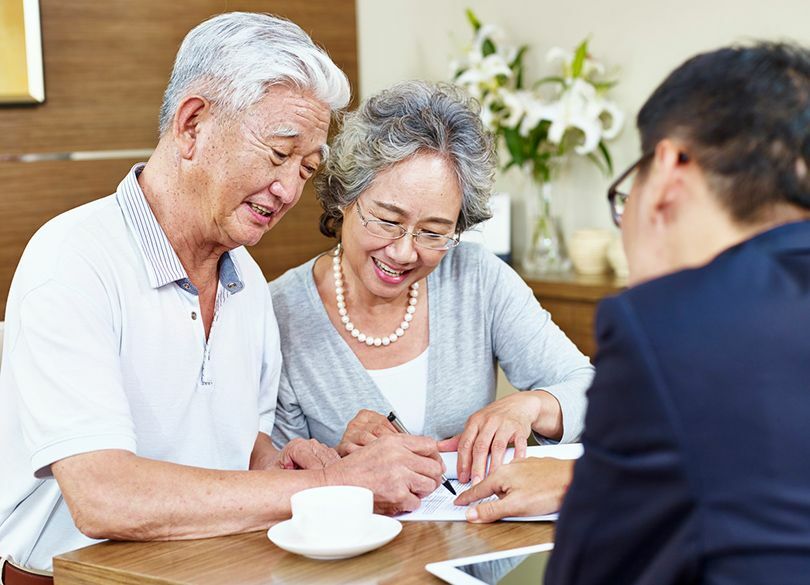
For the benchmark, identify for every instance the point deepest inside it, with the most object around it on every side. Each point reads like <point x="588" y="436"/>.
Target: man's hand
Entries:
<point x="491" y="430"/>
<point x="399" y="469"/>
<point x="525" y="487"/>
<point x="366" y="426"/>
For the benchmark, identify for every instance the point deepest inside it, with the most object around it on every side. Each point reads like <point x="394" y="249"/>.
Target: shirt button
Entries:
<point x="186" y="286"/>
<point x="193" y="315"/>
<point x="231" y="284"/>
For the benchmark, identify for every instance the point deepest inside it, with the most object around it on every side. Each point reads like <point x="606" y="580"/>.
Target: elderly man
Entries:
<point x="142" y="357"/>
<point x="696" y="443"/>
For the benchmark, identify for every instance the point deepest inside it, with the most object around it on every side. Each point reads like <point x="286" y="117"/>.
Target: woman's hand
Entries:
<point x="493" y="428"/>
<point x="366" y="427"/>
<point x="297" y="454"/>
<point x="306" y="454"/>
<point x="528" y="487"/>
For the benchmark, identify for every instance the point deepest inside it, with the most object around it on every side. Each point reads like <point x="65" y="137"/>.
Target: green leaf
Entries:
<point x="517" y="61"/>
<point x="604" y="85"/>
<point x="487" y="48"/>
<point x="579" y="59"/>
<point x="549" y="79"/>
<point x="476" y="24"/>
<point x="536" y="136"/>
<point x="541" y="171"/>
<point x="459" y="73"/>
<point x="597" y="161"/>
<point x="517" y="66"/>
<point x="608" y="159"/>
<point x="514" y="143"/>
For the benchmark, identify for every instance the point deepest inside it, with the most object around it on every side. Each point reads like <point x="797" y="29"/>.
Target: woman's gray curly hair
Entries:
<point x="413" y="117"/>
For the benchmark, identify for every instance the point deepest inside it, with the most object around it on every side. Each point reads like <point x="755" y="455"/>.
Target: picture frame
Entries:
<point x="21" y="72"/>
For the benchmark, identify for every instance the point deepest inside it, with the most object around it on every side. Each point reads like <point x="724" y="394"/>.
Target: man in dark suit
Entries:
<point x="697" y="438"/>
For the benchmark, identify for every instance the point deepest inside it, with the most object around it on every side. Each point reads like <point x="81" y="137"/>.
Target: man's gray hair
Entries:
<point x="410" y="118"/>
<point x="232" y="58"/>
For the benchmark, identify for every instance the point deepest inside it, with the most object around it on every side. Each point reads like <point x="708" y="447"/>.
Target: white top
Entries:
<point x="405" y="387"/>
<point x="105" y="349"/>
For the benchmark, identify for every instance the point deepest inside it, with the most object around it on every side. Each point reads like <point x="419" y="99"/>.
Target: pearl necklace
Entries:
<point x="413" y="294"/>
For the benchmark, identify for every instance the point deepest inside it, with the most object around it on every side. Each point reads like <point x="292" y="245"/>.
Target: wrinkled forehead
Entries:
<point x="289" y="114"/>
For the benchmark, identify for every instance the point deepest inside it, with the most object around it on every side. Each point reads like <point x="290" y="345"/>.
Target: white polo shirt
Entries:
<point x="105" y="349"/>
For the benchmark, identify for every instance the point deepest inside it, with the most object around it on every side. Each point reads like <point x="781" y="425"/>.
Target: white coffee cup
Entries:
<point x="332" y="515"/>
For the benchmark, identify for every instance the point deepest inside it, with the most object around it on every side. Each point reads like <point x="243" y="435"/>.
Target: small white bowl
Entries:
<point x="588" y="250"/>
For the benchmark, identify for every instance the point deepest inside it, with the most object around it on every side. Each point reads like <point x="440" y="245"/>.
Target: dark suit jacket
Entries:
<point x="697" y="437"/>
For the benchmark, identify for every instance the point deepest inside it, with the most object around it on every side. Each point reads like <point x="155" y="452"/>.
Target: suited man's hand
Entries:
<point x="525" y="487"/>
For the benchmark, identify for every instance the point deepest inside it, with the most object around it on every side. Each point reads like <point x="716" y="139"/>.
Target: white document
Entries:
<point x="439" y="506"/>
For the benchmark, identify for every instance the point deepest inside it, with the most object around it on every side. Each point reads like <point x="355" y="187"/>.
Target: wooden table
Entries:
<point x="252" y="559"/>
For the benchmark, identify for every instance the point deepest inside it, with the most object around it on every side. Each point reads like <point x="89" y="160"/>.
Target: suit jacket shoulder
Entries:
<point x="695" y="441"/>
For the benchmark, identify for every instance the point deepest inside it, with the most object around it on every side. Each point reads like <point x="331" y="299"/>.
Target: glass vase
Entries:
<point x="547" y="252"/>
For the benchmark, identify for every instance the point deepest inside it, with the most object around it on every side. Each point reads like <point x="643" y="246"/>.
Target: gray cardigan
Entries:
<point x="481" y="314"/>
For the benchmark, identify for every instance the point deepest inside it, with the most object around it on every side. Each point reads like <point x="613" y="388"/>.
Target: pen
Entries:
<point x="401" y="428"/>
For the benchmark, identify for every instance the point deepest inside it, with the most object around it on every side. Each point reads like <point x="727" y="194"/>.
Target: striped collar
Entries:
<point x="162" y="264"/>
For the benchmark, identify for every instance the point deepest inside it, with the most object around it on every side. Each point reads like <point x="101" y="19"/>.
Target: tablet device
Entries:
<point x="495" y="568"/>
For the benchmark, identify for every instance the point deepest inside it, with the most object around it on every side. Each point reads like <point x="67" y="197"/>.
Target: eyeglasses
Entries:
<point x="619" y="190"/>
<point x="394" y="231"/>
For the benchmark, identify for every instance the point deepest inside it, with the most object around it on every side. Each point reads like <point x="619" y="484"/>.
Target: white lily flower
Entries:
<point x="578" y="117"/>
<point x="591" y="130"/>
<point x="592" y="67"/>
<point x="474" y="57"/>
<point x="616" y="118"/>
<point x="453" y="67"/>
<point x="536" y="112"/>
<point x="574" y="109"/>
<point x="494" y="65"/>
<point x="583" y="91"/>
<point x="491" y="32"/>
<point x="559" y="54"/>
<point x="485" y="72"/>
<point x="488" y="117"/>
<point x="606" y="112"/>
<point x="476" y="90"/>
<point x="509" y="54"/>
<point x="589" y="67"/>
<point x="515" y="103"/>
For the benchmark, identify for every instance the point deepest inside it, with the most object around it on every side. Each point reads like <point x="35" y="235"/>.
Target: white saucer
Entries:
<point x="381" y="530"/>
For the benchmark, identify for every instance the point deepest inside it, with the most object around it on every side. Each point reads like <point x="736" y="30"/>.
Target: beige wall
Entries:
<point x="405" y="39"/>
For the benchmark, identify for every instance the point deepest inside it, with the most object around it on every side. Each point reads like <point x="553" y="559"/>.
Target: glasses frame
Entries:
<point x="450" y="242"/>
<point x="613" y="192"/>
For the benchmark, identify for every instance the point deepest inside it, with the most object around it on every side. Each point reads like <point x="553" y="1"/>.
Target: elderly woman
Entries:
<point x="400" y="316"/>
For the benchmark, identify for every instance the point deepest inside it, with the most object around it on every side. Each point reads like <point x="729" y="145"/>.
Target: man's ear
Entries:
<point x="185" y="127"/>
<point x="667" y="168"/>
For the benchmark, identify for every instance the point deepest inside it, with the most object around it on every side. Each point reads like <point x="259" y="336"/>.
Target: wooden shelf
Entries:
<point x="572" y="299"/>
<point x="575" y="286"/>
